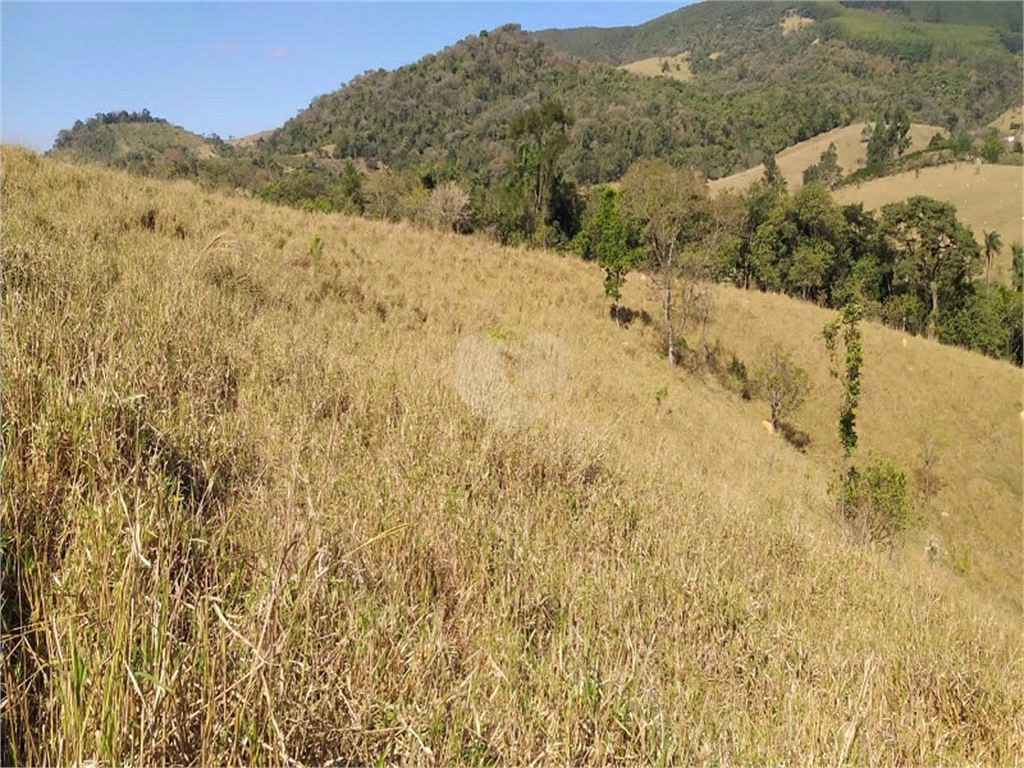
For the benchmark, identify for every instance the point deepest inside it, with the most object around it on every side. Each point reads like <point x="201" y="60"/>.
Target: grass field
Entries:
<point x="1010" y="121"/>
<point x="248" y="518"/>
<point x="678" y="67"/>
<point x="987" y="198"/>
<point x="793" y="161"/>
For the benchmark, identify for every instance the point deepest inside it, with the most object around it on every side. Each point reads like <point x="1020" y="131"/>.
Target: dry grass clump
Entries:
<point x="257" y="525"/>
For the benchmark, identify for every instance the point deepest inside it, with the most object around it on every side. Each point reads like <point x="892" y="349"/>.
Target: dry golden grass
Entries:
<point x="250" y="140"/>
<point x="1010" y="121"/>
<point x="793" y="161"/>
<point x="247" y="519"/>
<point x="987" y="198"/>
<point x="678" y="67"/>
<point x="793" y="22"/>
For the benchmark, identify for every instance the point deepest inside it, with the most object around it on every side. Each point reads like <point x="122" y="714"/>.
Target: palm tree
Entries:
<point x="993" y="245"/>
<point x="1018" y="266"/>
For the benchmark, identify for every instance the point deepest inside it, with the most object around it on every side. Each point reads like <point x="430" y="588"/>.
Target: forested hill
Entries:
<point x="137" y="141"/>
<point x="456" y="108"/>
<point x="759" y="82"/>
<point x="733" y="28"/>
<point x="949" y="63"/>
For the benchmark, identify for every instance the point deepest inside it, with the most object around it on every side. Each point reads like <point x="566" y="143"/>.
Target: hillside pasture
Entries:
<point x="675" y="67"/>
<point x="1010" y="122"/>
<point x="851" y="148"/>
<point x="987" y="198"/>
<point x="249" y="519"/>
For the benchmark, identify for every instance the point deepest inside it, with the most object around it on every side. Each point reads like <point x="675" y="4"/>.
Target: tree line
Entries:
<point x="914" y="266"/>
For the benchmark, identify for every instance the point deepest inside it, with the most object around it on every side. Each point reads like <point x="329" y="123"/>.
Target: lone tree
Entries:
<point x="672" y="209"/>
<point x="544" y="138"/>
<point x="935" y="254"/>
<point x="993" y="245"/>
<point x="1018" y="266"/>
<point x="616" y="252"/>
<point x="845" y="329"/>
<point x="827" y="170"/>
<point x="782" y="384"/>
<point x="772" y="175"/>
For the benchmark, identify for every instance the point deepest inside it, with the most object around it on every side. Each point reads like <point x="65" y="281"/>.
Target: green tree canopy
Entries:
<point x="935" y="255"/>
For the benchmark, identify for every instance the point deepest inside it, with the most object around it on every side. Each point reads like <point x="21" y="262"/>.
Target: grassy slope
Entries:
<point x="1010" y="121"/>
<point x="987" y="198"/>
<point x="247" y="519"/>
<point x="793" y="161"/>
<point x="678" y="67"/>
<point x="138" y="137"/>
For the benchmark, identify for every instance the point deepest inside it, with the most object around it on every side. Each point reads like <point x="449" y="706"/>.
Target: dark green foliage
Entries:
<point x="990" y="320"/>
<point x="614" y="246"/>
<point x="826" y="171"/>
<point x="875" y="502"/>
<point x="80" y="131"/>
<point x="773" y="177"/>
<point x="1018" y="266"/>
<point x="846" y="329"/>
<point x="992" y="148"/>
<point x="891" y="134"/>
<point x="934" y="254"/>
<point x="910" y="269"/>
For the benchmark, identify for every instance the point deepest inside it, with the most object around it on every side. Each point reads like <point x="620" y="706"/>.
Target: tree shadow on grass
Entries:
<point x="795" y="437"/>
<point x="624" y="316"/>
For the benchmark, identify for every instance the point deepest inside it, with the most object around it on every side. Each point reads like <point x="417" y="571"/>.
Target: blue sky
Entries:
<point x="232" y="68"/>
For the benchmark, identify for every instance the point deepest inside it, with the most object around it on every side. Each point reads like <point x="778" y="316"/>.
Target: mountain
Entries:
<point x="455" y="108"/>
<point x="763" y="76"/>
<point x="735" y="28"/>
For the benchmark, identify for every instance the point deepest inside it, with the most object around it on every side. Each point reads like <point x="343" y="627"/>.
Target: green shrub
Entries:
<point x="876" y="503"/>
<point x="316" y="247"/>
<point x="737" y="379"/>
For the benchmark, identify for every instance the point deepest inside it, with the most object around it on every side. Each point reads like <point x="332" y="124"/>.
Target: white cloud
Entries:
<point x="279" y="52"/>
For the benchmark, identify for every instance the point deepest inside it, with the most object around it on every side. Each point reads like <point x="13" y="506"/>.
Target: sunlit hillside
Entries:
<point x="675" y="67"/>
<point x="851" y="148"/>
<point x="261" y="504"/>
<point x="987" y="198"/>
<point x="1010" y="121"/>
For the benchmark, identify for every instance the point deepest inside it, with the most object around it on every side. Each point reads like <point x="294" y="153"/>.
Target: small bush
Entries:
<point x="316" y="247"/>
<point x="876" y="503"/>
<point x="737" y="379"/>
